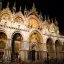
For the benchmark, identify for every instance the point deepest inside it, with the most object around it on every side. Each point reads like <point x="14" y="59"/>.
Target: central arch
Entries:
<point x="16" y="44"/>
<point x="35" y="40"/>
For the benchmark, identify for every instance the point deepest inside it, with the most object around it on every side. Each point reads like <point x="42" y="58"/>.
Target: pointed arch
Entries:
<point x="6" y="14"/>
<point x="18" y="17"/>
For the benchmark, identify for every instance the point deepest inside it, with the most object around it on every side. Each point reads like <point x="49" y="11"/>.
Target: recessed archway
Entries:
<point x="35" y="40"/>
<point x="58" y="48"/>
<point x="3" y="40"/>
<point x="50" y="49"/>
<point x="16" y="44"/>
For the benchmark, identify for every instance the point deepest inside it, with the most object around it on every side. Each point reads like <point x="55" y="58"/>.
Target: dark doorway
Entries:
<point x="14" y="54"/>
<point x="1" y="56"/>
<point x="32" y="55"/>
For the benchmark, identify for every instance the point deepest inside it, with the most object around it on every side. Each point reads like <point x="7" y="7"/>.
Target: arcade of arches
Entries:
<point x="35" y="51"/>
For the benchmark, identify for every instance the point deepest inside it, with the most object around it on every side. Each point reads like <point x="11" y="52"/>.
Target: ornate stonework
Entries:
<point x="34" y="32"/>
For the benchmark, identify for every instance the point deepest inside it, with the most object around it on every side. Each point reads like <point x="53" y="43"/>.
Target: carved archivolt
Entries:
<point x="18" y="17"/>
<point x="35" y="41"/>
<point x="6" y="14"/>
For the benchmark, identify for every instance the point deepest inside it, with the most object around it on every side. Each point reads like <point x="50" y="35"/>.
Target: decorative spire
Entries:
<point x="56" y="22"/>
<point x="25" y="8"/>
<point x="14" y="7"/>
<point x="33" y="7"/>
<point x="48" y="18"/>
<point x="20" y="8"/>
<point x="8" y="5"/>
<point x="41" y="15"/>
<point x="52" y="20"/>
<point x="25" y="11"/>
<point x="45" y="17"/>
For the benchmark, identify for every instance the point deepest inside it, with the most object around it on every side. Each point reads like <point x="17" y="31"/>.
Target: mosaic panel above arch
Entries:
<point x="35" y="40"/>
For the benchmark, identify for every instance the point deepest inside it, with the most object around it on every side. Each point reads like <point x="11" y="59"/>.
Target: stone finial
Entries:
<point x="14" y="4"/>
<point x="48" y="18"/>
<point x="56" y="22"/>
<point x="20" y="8"/>
<point x="45" y="17"/>
<point x="8" y="5"/>
<point x="41" y="15"/>
<point x="52" y="20"/>
<point x="25" y="11"/>
<point x="14" y="7"/>
<point x="25" y="8"/>
<point x="33" y="7"/>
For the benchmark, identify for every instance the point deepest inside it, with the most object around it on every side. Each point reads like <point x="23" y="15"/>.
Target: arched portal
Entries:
<point x="35" y="41"/>
<point x="50" y="49"/>
<point x="58" y="48"/>
<point x="16" y="44"/>
<point x="3" y="40"/>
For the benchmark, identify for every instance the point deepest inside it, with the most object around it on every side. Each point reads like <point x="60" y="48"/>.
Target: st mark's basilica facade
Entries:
<point x="29" y="36"/>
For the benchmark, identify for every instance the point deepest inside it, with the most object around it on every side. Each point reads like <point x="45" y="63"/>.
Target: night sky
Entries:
<point x="53" y="8"/>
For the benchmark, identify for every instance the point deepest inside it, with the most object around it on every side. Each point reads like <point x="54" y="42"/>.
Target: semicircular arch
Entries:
<point x="38" y="34"/>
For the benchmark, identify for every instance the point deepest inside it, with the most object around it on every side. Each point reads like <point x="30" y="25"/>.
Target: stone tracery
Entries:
<point x="37" y="38"/>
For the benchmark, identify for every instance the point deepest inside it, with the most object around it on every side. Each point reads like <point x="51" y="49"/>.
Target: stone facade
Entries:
<point x="21" y="33"/>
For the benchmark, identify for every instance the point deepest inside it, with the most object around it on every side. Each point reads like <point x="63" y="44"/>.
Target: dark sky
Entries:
<point x="53" y="8"/>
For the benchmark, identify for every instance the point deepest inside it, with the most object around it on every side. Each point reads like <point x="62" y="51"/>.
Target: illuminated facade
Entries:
<point x="21" y="33"/>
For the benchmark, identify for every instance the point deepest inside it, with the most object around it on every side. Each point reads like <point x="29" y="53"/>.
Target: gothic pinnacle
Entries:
<point x="48" y="19"/>
<point x="52" y="20"/>
<point x="33" y="7"/>
<point x="56" y="21"/>
<point x="20" y="8"/>
<point x="45" y="17"/>
<point x="14" y="7"/>
<point x="25" y="8"/>
<point x="8" y="5"/>
<point x="41" y="15"/>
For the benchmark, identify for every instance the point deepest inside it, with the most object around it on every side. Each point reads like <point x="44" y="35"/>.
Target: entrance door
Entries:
<point x="32" y="55"/>
<point x="1" y="56"/>
<point x="15" y="46"/>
